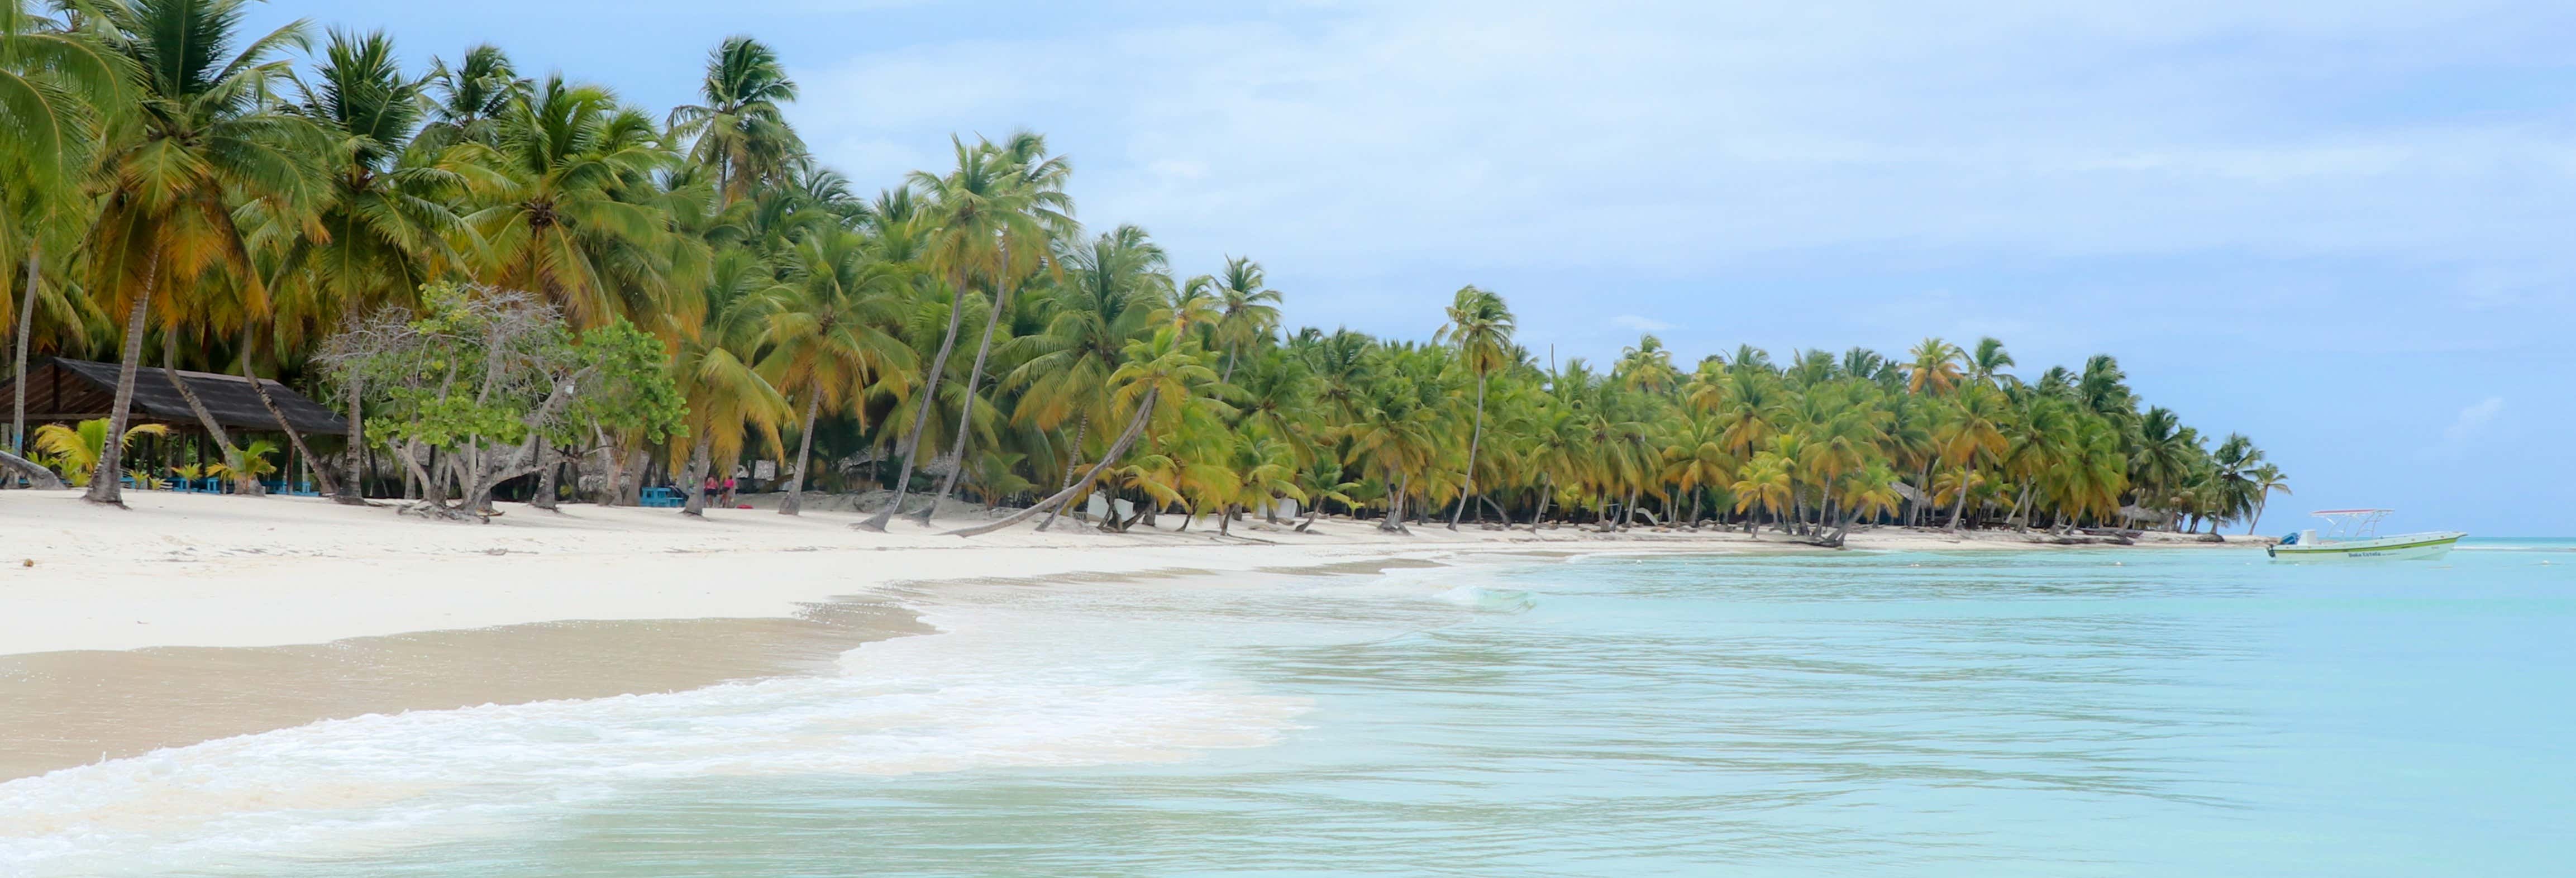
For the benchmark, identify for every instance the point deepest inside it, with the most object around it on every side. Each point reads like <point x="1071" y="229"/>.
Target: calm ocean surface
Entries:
<point x="2115" y="712"/>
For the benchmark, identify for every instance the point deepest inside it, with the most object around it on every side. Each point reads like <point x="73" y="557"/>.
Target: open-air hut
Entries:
<point x="61" y="390"/>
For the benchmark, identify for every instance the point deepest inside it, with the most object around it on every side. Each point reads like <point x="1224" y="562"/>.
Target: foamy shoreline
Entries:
<point x="198" y="570"/>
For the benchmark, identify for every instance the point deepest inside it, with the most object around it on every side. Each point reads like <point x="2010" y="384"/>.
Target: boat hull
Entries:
<point x="2406" y="547"/>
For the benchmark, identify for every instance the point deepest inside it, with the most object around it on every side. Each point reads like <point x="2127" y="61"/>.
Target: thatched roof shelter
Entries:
<point x="63" y="390"/>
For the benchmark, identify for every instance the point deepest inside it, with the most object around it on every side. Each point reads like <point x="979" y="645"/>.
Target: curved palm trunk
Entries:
<point x="697" y="481"/>
<point x="1135" y="427"/>
<point x="1394" y="522"/>
<point x="103" y="484"/>
<point x="921" y="417"/>
<point x="966" y="411"/>
<point x="26" y="330"/>
<point x="794" y="502"/>
<point x="1546" y="492"/>
<point x="37" y="475"/>
<point x="223" y="441"/>
<point x="1473" y="438"/>
<point x="1959" y="507"/>
<point x="293" y="436"/>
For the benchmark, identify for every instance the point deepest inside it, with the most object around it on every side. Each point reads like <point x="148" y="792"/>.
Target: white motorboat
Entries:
<point x="2354" y="533"/>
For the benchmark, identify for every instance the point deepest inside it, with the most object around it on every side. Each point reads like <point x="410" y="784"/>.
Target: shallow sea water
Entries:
<point x="2102" y="712"/>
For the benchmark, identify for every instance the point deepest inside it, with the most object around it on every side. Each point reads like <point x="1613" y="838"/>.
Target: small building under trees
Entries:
<point x="63" y="390"/>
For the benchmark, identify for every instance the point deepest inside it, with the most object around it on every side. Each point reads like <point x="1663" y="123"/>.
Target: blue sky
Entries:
<point x="2340" y="227"/>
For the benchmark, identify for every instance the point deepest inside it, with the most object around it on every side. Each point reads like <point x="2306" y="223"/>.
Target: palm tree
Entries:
<point x="466" y="101"/>
<point x="1040" y="215"/>
<point x="553" y="219"/>
<point x="199" y="141"/>
<point x="1115" y="282"/>
<point x="975" y="208"/>
<point x="1695" y="459"/>
<point x="1970" y="434"/>
<point x="2267" y="481"/>
<point x="389" y="225"/>
<point x="1987" y="364"/>
<point x="1763" y="485"/>
<point x="1159" y="378"/>
<point x="740" y="131"/>
<point x="1247" y="309"/>
<point x="1935" y="368"/>
<point x="1480" y="325"/>
<point x="55" y="86"/>
<point x="80" y="451"/>
<point x="826" y="335"/>
<point x="727" y="396"/>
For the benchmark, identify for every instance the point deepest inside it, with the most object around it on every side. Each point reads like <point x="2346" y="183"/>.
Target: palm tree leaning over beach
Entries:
<point x="1039" y="214"/>
<point x="1481" y="328"/>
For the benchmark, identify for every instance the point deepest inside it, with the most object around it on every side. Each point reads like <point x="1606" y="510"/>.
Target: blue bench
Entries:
<point x="659" y="498"/>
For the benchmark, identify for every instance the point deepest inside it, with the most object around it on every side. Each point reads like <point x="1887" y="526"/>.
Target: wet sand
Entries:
<point x="78" y="707"/>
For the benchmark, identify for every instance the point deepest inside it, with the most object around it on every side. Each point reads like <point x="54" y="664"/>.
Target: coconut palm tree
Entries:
<point x="1480" y="325"/>
<point x="466" y="100"/>
<point x="1040" y="215"/>
<point x="1247" y="310"/>
<point x="2267" y="480"/>
<point x="1935" y="368"/>
<point x="728" y="397"/>
<point x="1114" y="284"/>
<point x="199" y="140"/>
<point x="1971" y="434"/>
<point x="1762" y="486"/>
<point x="555" y="216"/>
<point x="826" y="335"/>
<point x="740" y="130"/>
<point x="976" y="211"/>
<point x="56" y="87"/>
<point x="1156" y="384"/>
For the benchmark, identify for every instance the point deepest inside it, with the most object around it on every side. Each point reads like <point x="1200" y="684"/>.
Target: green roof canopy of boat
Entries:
<point x="63" y="390"/>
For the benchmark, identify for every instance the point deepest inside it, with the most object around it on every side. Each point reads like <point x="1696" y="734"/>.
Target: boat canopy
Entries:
<point x="2353" y="524"/>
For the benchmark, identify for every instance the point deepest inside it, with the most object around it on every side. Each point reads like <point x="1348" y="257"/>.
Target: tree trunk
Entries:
<point x="26" y="330"/>
<point x="794" y="502"/>
<point x="1474" y="437"/>
<point x="1135" y="427"/>
<point x="921" y="416"/>
<point x="103" y="484"/>
<point x="1394" y="521"/>
<point x="1628" y="510"/>
<point x="1959" y="507"/>
<point x="549" y="466"/>
<point x="612" y="467"/>
<point x="966" y="410"/>
<point x="353" y="491"/>
<point x="169" y="358"/>
<point x="2019" y="525"/>
<point x="1546" y="492"/>
<point x="37" y="476"/>
<point x="697" y="478"/>
<point x="294" y="438"/>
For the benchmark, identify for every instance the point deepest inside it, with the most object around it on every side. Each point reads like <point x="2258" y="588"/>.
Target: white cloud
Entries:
<point x="2470" y="424"/>
<point x="2472" y="420"/>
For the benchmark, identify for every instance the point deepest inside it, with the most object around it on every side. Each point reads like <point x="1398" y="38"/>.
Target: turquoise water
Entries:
<point x="2114" y="712"/>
